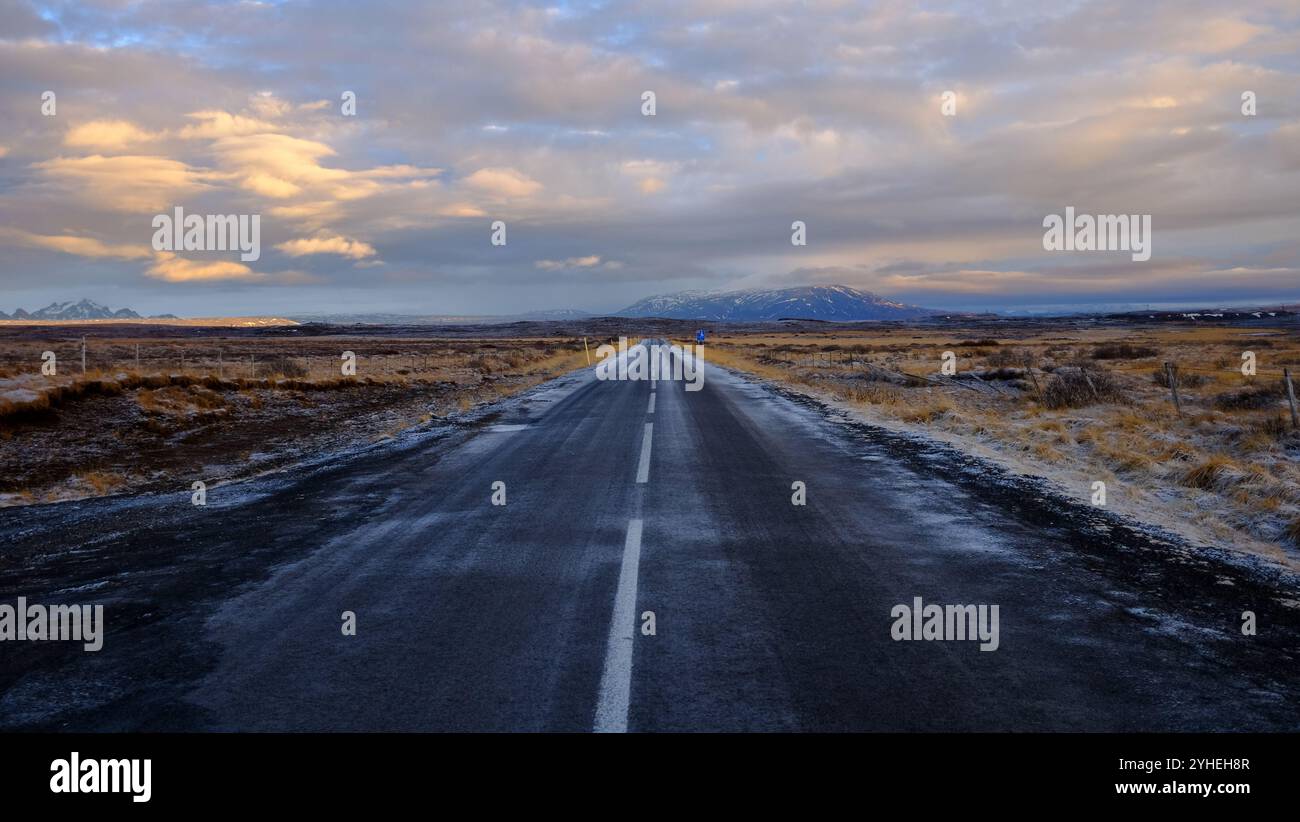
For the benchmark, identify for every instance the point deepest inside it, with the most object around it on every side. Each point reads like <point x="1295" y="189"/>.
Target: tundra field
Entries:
<point x="1074" y="402"/>
<point x="221" y="408"/>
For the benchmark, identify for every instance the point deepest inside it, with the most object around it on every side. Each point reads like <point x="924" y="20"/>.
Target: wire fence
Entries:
<point x="72" y="361"/>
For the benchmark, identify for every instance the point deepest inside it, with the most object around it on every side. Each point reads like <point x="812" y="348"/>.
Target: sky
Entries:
<point x="766" y="113"/>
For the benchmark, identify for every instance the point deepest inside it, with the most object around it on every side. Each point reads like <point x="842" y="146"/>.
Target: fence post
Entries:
<point x="83" y="356"/>
<point x="137" y="357"/>
<point x="1171" y="374"/>
<point x="1093" y="388"/>
<point x="1029" y="367"/>
<point x="1290" y="397"/>
<point x="221" y="371"/>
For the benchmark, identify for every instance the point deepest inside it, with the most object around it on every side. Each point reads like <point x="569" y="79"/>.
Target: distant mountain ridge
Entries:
<point x="837" y="303"/>
<point x="84" y="310"/>
<point x="90" y="311"/>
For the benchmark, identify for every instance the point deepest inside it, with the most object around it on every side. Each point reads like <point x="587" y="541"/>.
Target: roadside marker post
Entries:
<point x="1290" y="397"/>
<point x="1029" y="369"/>
<point x="1171" y="374"/>
<point x="586" y="350"/>
<point x="1093" y="388"/>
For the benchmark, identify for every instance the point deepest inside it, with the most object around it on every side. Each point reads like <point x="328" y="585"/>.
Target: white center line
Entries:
<point x="651" y="409"/>
<point x="616" y="681"/>
<point x="643" y="469"/>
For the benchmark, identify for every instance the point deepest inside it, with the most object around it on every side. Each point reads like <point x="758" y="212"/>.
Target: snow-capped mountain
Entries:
<point x="84" y="310"/>
<point x="816" y="302"/>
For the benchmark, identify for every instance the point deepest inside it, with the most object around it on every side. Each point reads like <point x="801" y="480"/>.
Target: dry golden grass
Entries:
<point x="99" y="482"/>
<point x="925" y="412"/>
<point x="177" y="400"/>
<point x="1213" y="474"/>
<point x="1125" y="460"/>
<point x="1292" y="530"/>
<point x="278" y="397"/>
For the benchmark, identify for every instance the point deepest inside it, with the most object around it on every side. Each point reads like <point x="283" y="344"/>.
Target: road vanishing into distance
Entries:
<point x="622" y="498"/>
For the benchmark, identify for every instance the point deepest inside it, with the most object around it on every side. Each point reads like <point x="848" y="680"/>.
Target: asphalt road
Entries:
<point x="627" y="497"/>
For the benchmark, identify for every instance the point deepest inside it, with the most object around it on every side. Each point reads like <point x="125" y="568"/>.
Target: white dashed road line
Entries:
<point x="616" y="682"/>
<point x="643" y="469"/>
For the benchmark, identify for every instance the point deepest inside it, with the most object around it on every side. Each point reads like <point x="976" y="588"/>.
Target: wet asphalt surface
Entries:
<point x="768" y="615"/>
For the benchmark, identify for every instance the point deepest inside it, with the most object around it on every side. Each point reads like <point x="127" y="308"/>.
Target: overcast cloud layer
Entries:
<point x="824" y="112"/>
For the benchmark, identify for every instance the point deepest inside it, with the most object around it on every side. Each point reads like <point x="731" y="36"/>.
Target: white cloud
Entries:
<point x="571" y="263"/>
<point x="106" y="135"/>
<point x="270" y="186"/>
<point x="461" y="210"/>
<point x="327" y="244"/>
<point x="503" y="182"/>
<point x="215" y="124"/>
<point x="173" y="269"/>
<point x="79" y="246"/>
<point x="130" y="183"/>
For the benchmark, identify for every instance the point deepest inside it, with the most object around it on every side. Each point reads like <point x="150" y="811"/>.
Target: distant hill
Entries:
<point x="838" y="303"/>
<point x="84" y="310"/>
<point x="555" y="314"/>
<point x="91" y="312"/>
<point x="441" y="319"/>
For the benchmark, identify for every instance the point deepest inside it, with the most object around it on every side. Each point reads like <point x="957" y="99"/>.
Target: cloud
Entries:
<point x="397" y="172"/>
<point x="277" y="156"/>
<point x="79" y="246"/>
<point x="650" y="175"/>
<point x="327" y="244"/>
<point x="22" y="21"/>
<point x="503" y="182"/>
<point x="461" y="210"/>
<point x="312" y="212"/>
<point x="212" y="125"/>
<point x="575" y="263"/>
<point x="282" y="166"/>
<point x="1220" y="34"/>
<point x="124" y="182"/>
<point x="269" y="186"/>
<point x="766" y="114"/>
<point x="173" y="269"/>
<point x="106" y="135"/>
